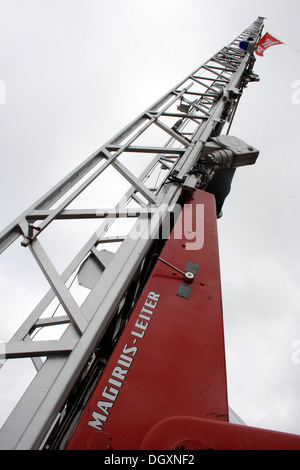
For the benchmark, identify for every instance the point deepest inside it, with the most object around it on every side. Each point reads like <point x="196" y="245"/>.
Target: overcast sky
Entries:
<point x="77" y="71"/>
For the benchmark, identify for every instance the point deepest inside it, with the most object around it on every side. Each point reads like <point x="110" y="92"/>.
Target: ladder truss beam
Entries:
<point x="150" y="198"/>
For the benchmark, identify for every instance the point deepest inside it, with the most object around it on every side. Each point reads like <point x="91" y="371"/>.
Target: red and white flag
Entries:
<point x="266" y="41"/>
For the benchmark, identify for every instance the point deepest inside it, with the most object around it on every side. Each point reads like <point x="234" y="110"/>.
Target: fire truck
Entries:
<point x="140" y="364"/>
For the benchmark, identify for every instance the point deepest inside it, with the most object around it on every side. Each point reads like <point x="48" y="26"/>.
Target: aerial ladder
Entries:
<point x="141" y="360"/>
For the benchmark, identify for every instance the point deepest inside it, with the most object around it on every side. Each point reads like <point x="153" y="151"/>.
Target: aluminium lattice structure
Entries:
<point x="158" y="156"/>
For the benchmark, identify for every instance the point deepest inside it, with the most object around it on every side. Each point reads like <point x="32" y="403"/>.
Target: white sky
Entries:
<point x="78" y="71"/>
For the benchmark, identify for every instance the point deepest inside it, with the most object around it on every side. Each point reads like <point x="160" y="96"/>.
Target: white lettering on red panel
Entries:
<point x="119" y="373"/>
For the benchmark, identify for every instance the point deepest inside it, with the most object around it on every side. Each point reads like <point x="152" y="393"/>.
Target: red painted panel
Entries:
<point x="206" y="434"/>
<point x="170" y="358"/>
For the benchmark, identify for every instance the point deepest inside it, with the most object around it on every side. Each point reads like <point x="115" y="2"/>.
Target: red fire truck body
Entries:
<point x="164" y="386"/>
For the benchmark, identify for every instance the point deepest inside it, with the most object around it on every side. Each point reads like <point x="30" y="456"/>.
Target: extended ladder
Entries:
<point x="159" y="155"/>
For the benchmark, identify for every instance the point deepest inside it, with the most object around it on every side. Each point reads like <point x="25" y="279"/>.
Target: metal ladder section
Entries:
<point x="151" y="155"/>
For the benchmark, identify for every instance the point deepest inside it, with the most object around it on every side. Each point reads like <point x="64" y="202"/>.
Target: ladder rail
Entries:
<point x="30" y="421"/>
